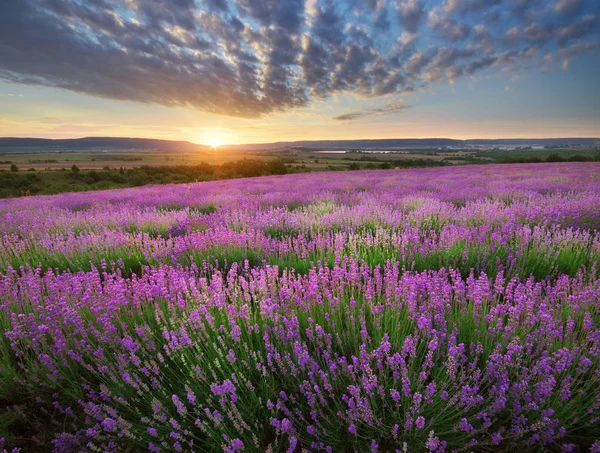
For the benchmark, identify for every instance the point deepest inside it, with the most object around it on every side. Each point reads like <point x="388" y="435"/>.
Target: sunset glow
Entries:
<point x="213" y="137"/>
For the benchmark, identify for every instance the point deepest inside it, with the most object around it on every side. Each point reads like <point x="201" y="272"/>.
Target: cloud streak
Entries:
<point x="251" y="58"/>
<point x="387" y="109"/>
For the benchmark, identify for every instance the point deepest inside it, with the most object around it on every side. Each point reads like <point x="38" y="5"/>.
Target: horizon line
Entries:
<point x="306" y="140"/>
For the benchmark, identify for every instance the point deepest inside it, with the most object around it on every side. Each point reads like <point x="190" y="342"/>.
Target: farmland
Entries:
<point x="40" y="171"/>
<point x="436" y="309"/>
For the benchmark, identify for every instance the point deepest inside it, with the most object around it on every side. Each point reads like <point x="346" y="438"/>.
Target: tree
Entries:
<point x="75" y="169"/>
<point x="14" y="168"/>
<point x="95" y="176"/>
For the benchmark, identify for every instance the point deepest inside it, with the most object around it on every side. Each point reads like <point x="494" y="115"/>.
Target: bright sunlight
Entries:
<point x="215" y="142"/>
<point x="213" y="137"/>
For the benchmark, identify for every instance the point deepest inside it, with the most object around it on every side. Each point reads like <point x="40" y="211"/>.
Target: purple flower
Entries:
<point x="420" y="422"/>
<point x="237" y="444"/>
<point x="109" y="425"/>
<point x="286" y="425"/>
<point x="181" y="410"/>
<point x="90" y="432"/>
<point x="497" y="438"/>
<point x="231" y="356"/>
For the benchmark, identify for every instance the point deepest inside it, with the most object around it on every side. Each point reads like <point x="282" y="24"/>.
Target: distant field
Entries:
<point x="34" y="158"/>
<point x="115" y="158"/>
<point x="30" y="172"/>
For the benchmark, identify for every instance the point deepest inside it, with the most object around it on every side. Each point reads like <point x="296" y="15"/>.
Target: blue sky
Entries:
<point x="245" y="71"/>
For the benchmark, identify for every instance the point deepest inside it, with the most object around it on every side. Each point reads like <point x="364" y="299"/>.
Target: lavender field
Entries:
<point x="435" y="310"/>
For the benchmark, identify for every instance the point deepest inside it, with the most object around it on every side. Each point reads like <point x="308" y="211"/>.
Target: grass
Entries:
<point x="541" y="262"/>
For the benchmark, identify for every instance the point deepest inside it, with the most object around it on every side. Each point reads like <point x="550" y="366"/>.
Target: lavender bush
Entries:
<point x="423" y="310"/>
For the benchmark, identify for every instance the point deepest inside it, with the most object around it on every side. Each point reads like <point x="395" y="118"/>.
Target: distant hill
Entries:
<point x="421" y="143"/>
<point x="120" y="143"/>
<point x="100" y="142"/>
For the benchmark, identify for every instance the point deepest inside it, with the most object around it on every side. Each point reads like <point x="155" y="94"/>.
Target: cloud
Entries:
<point x="287" y="14"/>
<point x="251" y="58"/>
<point x="410" y="13"/>
<point x="567" y="6"/>
<point x="577" y="48"/>
<point x="446" y="25"/>
<point x="470" y="6"/>
<point x="387" y="109"/>
<point x="535" y="32"/>
<point x="578" y="29"/>
<point x="512" y="34"/>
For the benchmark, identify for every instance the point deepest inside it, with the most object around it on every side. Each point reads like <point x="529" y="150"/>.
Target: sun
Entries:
<point x="213" y="137"/>
<point x="214" y="142"/>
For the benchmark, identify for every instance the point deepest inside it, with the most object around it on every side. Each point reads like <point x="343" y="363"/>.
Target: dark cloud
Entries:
<point x="288" y="14"/>
<point x="415" y="64"/>
<point x="328" y="26"/>
<point x="480" y="64"/>
<point x="449" y="61"/>
<point x="218" y="5"/>
<point x="445" y="25"/>
<point x="250" y="58"/>
<point x="411" y="14"/>
<point x="387" y="109"/>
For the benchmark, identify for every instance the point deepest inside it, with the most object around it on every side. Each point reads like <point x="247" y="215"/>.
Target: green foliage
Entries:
<point x="280" y="232"/>
<point x="202" y="209"/>
<point x="417" y="163"/>
<point x="52" y="182"/>
<point x="554" y="157"/>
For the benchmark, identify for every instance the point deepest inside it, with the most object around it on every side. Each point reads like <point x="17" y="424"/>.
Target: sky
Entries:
<point x="255" y="71"/>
